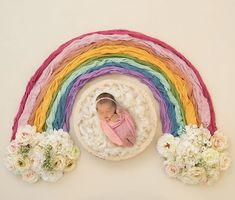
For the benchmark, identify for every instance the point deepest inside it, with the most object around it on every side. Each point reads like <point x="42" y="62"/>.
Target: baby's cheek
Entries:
<point x="100" y="116"/>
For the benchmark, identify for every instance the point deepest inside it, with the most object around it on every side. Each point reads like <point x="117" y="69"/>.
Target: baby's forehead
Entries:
<point x="104" y="105"/>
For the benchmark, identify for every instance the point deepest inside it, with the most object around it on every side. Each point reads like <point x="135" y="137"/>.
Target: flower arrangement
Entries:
<point x="44" y="155"/>
<point x="196" y="156"/>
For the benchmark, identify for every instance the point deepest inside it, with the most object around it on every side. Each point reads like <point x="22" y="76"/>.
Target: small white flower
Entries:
<point x="209" y="144"/>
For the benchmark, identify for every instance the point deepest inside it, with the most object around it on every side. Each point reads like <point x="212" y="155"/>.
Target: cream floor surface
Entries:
<point x="201" y="30"/>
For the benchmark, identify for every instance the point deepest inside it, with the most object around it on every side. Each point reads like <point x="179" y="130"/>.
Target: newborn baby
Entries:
<point x="116" y="122"/>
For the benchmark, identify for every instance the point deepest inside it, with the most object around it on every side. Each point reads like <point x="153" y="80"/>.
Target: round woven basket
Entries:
<point x="133" y="96"/>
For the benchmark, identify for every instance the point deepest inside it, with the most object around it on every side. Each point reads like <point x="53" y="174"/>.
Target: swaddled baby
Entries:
<point x="116" y="122"/>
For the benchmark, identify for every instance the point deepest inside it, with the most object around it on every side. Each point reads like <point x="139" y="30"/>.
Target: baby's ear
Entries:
<point x="119" y="110"/>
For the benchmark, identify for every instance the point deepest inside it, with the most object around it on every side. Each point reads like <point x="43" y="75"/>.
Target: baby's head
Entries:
<point x="106" y="105"/>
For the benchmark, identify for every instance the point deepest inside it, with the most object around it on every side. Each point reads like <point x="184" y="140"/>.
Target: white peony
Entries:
<point x="166" y="145"/>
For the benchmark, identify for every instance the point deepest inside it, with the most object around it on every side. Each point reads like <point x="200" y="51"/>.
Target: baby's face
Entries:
<point x="106" y="110"/>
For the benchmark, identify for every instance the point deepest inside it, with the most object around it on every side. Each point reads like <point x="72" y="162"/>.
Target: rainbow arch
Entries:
<point x="173" y="80"/>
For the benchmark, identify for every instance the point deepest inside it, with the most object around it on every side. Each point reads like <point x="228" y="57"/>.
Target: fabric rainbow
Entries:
<point x="173" y="80"/>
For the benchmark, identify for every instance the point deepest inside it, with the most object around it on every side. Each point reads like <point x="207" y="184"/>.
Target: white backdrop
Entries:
<point x="202" y="30"/>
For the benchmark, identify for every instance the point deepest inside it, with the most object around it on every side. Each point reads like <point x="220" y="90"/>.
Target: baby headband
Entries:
<point x="105" y="98"/>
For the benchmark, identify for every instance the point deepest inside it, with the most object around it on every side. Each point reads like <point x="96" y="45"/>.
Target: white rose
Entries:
<point x="21" y="164"/>
<point x="30" y="176"/>
<point x="194" y="175"/>
<point x="70" y="165"/>
<point x="171" y="170"/>
<point x="59" y="163"/>
<point x="13" y="147"/>
<point x="219" y="141"/>
<point x="25" y="134"/>
<point x="225" y="161"/>
<point x="210" y="156"/>
<point x="74" y="152"/>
